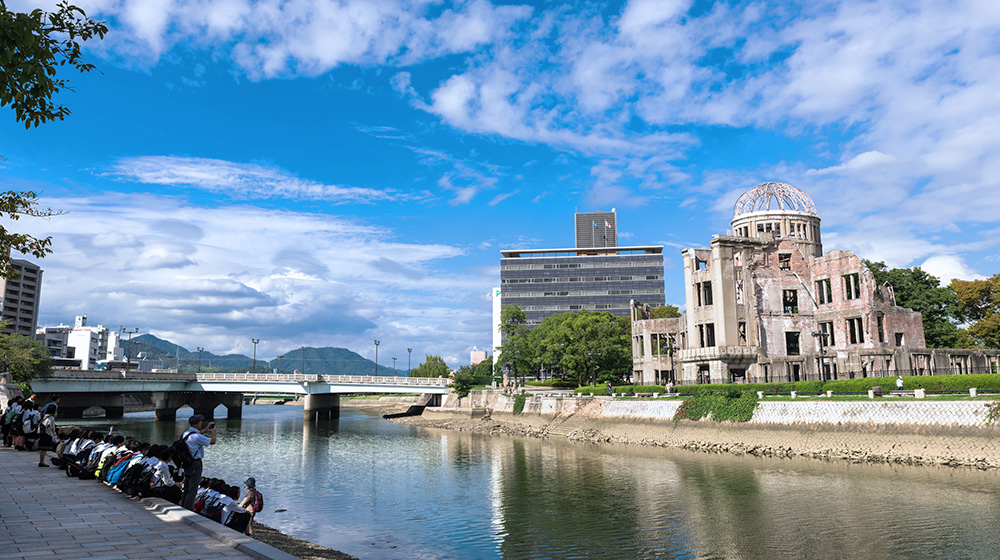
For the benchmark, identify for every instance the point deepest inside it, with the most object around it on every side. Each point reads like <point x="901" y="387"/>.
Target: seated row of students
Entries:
<point x="144" y="469"/>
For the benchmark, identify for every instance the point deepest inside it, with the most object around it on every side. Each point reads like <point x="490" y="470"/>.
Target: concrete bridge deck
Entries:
<point x="204" y="392"/>
<point x="45" y="514"/>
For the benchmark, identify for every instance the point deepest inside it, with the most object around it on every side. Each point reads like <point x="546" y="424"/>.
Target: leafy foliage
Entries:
<point x="25" y="358"/>
<point x="463" y="382"/>
<point x="33" y="46"/>
<point x="433" y="366"/>
<point x="13" y="205"/>
<point x="721" y="403"/>
<point x="922" y="292"/>
<point x="519" y="403"/>
<point x="979" y="304"/>
<point x="584" y="345"/>
<point x="665" y="312"/>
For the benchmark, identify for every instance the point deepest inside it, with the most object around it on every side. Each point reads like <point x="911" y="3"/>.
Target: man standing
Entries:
<point x="196" y="441"/>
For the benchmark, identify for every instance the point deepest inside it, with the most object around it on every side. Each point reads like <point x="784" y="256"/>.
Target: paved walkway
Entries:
<point x="45" y="514"/>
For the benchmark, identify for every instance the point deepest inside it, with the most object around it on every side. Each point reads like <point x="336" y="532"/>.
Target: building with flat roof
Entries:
<point x="545" y="282"/>
<point x="81" y="345"/>
<point x="21" y="298"/>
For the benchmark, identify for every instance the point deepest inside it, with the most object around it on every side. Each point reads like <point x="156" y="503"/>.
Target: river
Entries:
<point x="380" y="491"/>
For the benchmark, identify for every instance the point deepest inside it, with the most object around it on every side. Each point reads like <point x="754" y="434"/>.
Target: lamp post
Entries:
<point x="409" y="355"/>
<point x="303" y="360"/>
<point x="200" y="350"/>
<point x="255" y="341"/>
<point x="128" y="345"/>
<point x="394" y="367"/>
<point x="376" y="357"/>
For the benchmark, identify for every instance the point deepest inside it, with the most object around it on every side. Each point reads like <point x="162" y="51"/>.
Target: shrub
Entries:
<point x="722" y="402"/>
<point x="519" y="403"/>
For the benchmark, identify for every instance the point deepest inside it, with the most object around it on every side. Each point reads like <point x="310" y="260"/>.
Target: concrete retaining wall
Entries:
<point x="871" y="413"/>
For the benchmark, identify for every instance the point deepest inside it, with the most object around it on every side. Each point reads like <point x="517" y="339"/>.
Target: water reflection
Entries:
<point x="382" y="491"/>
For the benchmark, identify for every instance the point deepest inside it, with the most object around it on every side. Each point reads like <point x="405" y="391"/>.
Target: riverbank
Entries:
<point x="952" y="446"/>
<point x="298" y="548"/>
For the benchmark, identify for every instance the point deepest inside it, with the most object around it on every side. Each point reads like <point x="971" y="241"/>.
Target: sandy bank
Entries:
<point x="296" y="547"/>
<point x="896" y="444"/>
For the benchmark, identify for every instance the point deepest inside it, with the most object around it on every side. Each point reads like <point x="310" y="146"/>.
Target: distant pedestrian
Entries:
<point x="48" y="437"/>
<point x="899" y="383"/>
<point x="29" y="427"/>
<point x="196" y="441"/>
<point x="51" y="407"/>
<point x="610" y="390"/>
<point x="670" y="387"/>
<point x="11" y="415"/>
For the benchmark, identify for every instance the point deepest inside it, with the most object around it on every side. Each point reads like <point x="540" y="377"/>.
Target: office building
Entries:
<point x="21" y="298"/>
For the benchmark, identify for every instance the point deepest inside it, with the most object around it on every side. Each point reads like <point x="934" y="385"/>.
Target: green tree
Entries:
<point x="584" y="345"/>
<point x="979" y="305"/>
<point x="25" y="358"/>
<point x="484" y="369"/>
<point x="665" y="312"/>
<point x="922" y="292"/>
<point x="515" y="352"/>
<point x="433" y="366"/>
<point x="33" y="46"/>
<point x="463" y="381"/>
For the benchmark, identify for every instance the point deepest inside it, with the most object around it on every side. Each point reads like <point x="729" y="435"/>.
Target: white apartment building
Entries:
<point x="82" y="342"/>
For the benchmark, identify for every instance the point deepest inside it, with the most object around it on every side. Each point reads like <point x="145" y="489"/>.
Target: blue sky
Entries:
<point x="326" y="173"/>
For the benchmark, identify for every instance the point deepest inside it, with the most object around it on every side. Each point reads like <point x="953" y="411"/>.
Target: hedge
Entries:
<point x="557" y="383"/>
<point x="982" y="381"/>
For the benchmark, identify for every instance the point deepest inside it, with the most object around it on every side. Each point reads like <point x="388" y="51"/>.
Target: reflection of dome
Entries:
<point x="774" y="197"/>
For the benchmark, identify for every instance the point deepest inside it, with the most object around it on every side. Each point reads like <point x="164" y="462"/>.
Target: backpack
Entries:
<point x="29" y="424"/>
<point x="238" y="522"/>
<point x="213" y="510"/>
<point x="118" y="469"/>
<point x="258" y="501"/>
<point x="181" y="452"/>
<point x="128" y="483"/>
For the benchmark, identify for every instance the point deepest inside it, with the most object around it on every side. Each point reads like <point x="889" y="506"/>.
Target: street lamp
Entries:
<point x="394" y="366"/>
<point x="200" y="350"/>
<point x="376" y="357"/>
<point x="303" y="360"/>
<point x="255" y="341"/>
<point x="409" y="354"/>
<point x="128" y="345"/>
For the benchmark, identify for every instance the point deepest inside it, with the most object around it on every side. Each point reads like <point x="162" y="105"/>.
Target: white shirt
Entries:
<point x="196" y="443"/>
<point x="162" y="474"/>
<point x="229" y="507"/>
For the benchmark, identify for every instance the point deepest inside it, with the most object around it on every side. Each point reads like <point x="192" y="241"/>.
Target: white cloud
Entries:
<point x="950" y="267"/>
<point x="240" y="180"/>
<point x="288" y="278"/>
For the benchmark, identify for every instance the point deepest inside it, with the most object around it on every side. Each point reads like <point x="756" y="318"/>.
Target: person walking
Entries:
<point x="196" y="441"/>
<point x="899" y="383"/>
<point x="48" y="437"/>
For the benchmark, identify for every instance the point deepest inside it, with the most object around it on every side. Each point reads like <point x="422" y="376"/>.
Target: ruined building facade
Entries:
<point x="764" y="304"/>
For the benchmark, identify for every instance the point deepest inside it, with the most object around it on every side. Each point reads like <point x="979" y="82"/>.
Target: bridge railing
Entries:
<point x="253" y="377"/>
<point x="317" y="378"/>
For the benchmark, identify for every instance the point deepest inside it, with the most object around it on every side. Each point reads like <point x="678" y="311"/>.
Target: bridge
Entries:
<point x="203" y="392"/>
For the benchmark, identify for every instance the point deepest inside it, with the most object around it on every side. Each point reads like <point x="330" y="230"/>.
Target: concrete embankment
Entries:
<point x="954" y="433"/>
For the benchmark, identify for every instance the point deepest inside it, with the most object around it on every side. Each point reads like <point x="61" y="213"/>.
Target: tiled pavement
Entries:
<point x="45" y="514"/>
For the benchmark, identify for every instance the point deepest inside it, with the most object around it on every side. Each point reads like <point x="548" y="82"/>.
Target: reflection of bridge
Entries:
<point x="203" y="392"/>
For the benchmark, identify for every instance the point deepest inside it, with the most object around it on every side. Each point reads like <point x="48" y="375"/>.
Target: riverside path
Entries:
<point x="45" y="514"/>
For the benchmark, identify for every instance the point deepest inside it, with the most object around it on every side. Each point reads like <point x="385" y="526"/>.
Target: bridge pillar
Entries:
<point x="72" y="405"/>
<point x="234" y="405"/>
<point x="204" y="404"/>
<point x="321" y="407"/>
<point x="166" y="404"/>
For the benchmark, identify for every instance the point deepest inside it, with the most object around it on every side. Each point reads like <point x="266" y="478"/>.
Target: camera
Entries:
<point x="211" y="425"/>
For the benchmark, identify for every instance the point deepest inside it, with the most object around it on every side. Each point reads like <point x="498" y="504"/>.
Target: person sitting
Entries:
<point x="229" y="503"/>
<point x="164" y="485"/>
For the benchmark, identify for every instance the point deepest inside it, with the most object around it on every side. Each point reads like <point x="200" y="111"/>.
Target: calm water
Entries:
<point x="378" y="490"/>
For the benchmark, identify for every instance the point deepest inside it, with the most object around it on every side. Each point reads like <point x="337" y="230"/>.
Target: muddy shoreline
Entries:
<point x="910" y="447"/>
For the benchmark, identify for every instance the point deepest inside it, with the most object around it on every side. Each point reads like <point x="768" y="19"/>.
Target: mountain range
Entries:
<point x="327" y="360"/>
